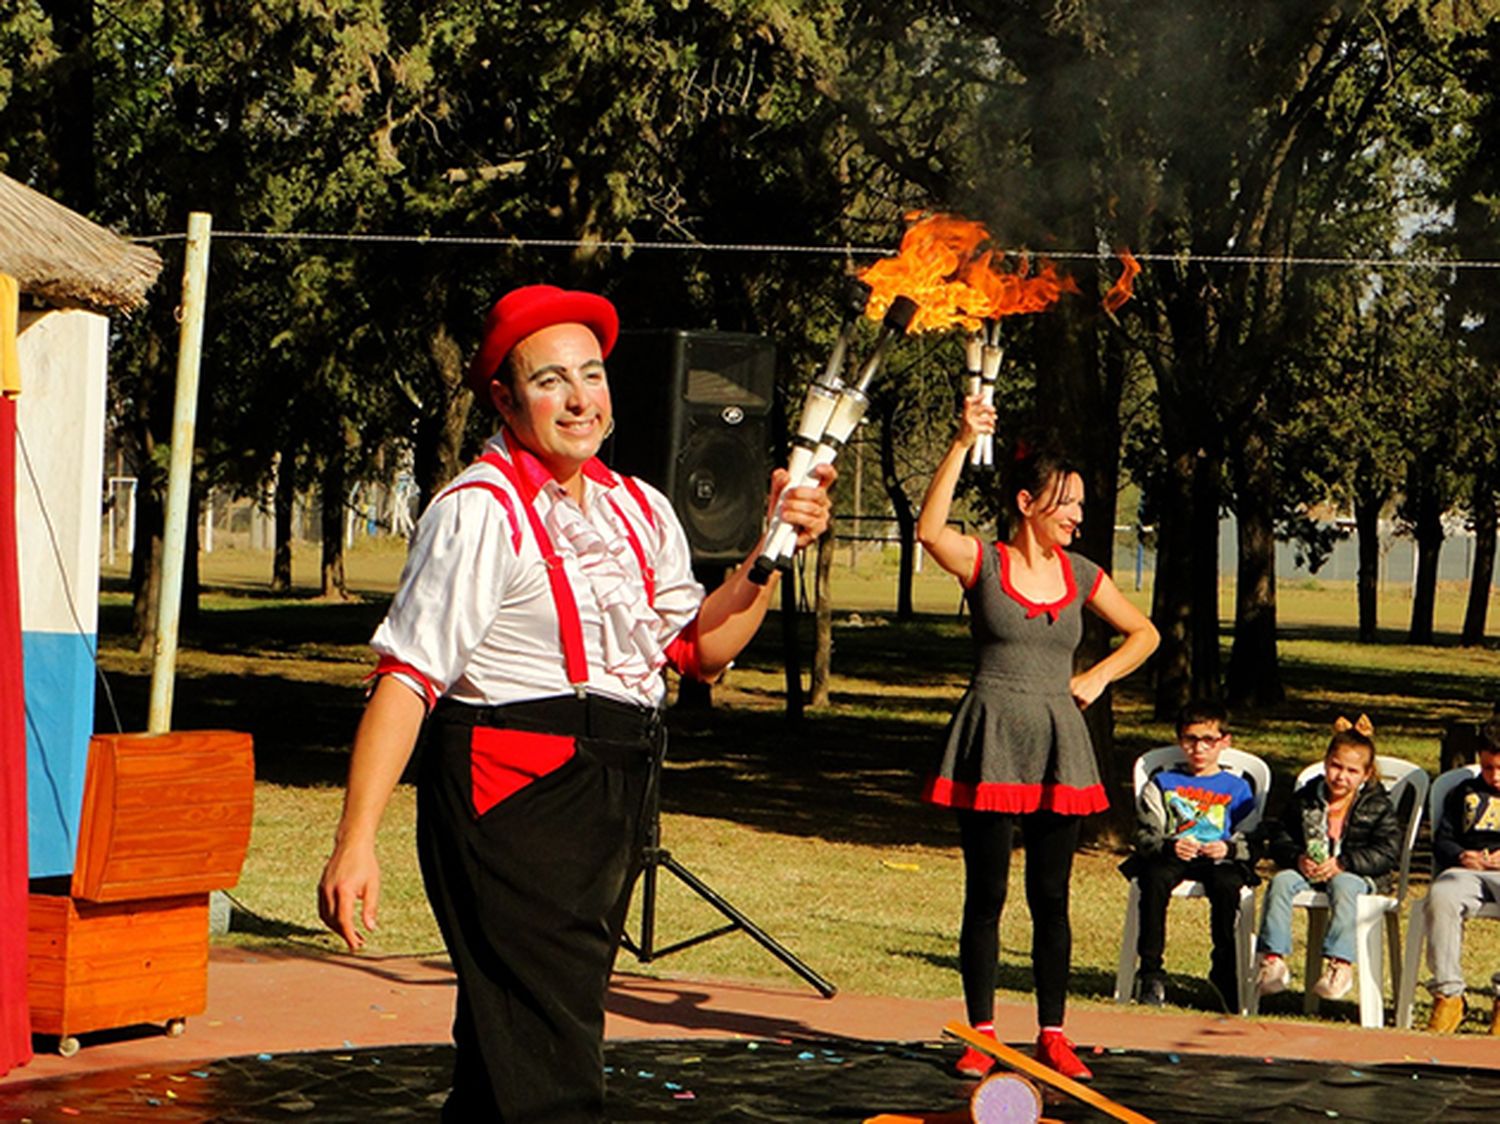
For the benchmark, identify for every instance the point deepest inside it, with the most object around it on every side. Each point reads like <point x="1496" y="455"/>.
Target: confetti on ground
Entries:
<point x="343" y="1057"/>
<point x="69" y="1111"/>
<point x="685" y="1095"/>
<point x="1098" y="1050"/>
<point x="1173" y="1058"/>
<point x="263" y="1057"/>
<point x="889" y="865"/>
<point x="215" y="1022"/>
<point x="806" y="1056"/>
<point x="694" y="1060"/>
<point x="199" y="1072"/>
<point x="176" y="1077"/>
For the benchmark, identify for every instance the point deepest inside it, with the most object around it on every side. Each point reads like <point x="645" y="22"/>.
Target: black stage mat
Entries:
<point x="756" y="1081"/>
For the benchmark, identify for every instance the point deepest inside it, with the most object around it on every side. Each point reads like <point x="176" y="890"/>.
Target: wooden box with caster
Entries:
<point x="166" y="820"/>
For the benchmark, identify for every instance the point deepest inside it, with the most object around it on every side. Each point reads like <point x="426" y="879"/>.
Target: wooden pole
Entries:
<point x="180" y="471"/>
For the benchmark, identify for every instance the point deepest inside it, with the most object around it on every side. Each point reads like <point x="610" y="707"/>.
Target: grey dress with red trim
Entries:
<point x="1018" y="742"/>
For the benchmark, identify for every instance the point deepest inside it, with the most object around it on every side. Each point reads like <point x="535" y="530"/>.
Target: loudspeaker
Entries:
<point x="692" y="416"/>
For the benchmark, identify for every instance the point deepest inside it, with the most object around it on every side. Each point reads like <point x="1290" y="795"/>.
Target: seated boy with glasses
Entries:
<point x="1188" y="819"/>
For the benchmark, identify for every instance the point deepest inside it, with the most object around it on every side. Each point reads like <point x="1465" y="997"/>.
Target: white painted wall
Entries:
<point x="59" y="463"/>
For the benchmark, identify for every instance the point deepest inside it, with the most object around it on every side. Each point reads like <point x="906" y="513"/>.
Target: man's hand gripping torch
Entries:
<point x="830" y="414"/>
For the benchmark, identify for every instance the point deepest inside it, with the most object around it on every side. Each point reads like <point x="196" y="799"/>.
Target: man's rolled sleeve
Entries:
<point x="450" y="591"/>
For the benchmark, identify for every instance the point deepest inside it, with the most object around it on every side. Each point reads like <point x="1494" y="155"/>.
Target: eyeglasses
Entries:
<point x="1192" y="741"/>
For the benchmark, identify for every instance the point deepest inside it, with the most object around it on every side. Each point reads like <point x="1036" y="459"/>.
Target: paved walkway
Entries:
<point x="281" y="1002"/>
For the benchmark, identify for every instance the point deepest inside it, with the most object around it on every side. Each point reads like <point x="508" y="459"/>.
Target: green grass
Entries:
<point x="814" y="830"/>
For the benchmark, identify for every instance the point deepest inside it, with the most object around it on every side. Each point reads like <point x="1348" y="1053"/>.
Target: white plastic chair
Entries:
<point x="1399" y="777"/>
<point x="1258" y="774"/>
<point x="1416" y="925"/>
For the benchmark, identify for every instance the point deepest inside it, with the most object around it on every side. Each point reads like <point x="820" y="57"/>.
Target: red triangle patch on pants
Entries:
<point x="502" y="762"/>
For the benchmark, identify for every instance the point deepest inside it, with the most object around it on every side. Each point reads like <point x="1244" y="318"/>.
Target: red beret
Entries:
<point x="529" y="309"/>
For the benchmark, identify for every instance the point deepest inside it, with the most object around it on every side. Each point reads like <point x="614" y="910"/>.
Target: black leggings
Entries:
<point x="1050" y="840"/>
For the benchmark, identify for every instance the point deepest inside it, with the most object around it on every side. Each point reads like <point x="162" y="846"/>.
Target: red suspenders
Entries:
<point x="569" y="624"/>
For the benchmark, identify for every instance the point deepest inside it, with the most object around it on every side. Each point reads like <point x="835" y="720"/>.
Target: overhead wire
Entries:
<point x="830" y="250"/>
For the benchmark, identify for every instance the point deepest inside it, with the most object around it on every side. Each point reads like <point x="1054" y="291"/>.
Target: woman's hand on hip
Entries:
<point x="1087" y="686"/>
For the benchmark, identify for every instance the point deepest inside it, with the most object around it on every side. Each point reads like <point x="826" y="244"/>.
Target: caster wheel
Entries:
<point x="67" y="1046"/>
<point x="176" y="1028"/>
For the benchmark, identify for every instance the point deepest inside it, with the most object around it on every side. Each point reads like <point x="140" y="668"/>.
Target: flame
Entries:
<point x="1124" y="287"/>
<point x="940" y="266"/>
<point x="1014" y="293"/>
<point x="933" y="250"/>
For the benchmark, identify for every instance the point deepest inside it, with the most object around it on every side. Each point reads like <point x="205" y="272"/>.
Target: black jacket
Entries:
<point x="1371" y="842"/>
<point x="1469" y="821"/>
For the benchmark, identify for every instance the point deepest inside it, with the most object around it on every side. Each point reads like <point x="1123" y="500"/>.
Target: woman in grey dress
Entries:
<point x="1017" y="751"/>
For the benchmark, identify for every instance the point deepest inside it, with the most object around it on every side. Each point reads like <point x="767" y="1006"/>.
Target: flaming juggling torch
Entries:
<point x="829" y="417"/>
<point x="940" y="279"/>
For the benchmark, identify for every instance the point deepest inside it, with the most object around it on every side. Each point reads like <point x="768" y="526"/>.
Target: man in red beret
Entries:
<point x="542" y="596"/>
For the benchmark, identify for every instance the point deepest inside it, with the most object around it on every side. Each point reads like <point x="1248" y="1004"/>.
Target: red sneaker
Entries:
<point x="1055" y="1051"/>
<point x="976" y="1063"/>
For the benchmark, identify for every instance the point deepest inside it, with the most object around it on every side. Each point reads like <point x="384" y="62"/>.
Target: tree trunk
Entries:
<point x="332" y="562"/>
<point x="823" y="630"/>
<point x="145" y="561"/>
<point x="150" y="519"/>
<point x="1207" y="471"/>
<point x="1171" y="591"/>
<point x="1427" y="530"/>
<point x="283" y="496"/>
<point x="906" y="520"/>
<point x="791" y="652"/>
<point x="188" y="613"/>
<point x="437" y="456"/>
<point x="1482" y="508"/>
<point x="1185" y="599"/>
<point x="1367" y="507"/>
<point x="1254" y="675"/>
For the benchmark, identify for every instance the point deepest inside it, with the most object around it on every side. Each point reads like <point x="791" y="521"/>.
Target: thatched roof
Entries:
<point x="66" y="260"/>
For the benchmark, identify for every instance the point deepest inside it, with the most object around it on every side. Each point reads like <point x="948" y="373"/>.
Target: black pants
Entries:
<point x="529" y="830"/>
<point x="1157" y="875"/>
<point x="1050" y="840"/>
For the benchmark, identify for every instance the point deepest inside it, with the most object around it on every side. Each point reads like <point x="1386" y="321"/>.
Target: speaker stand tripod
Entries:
<point x="654" y="858"/>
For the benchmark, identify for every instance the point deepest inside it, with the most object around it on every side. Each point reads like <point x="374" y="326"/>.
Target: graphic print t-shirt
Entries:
<point x="1207" y="809"/>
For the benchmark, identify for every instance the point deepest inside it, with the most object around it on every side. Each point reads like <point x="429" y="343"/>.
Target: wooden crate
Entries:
<point x="166" y="820"/>
<point x="92" y="967"/>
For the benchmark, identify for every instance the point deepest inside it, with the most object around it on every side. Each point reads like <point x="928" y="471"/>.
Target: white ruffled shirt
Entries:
<point x="474" y="614"/>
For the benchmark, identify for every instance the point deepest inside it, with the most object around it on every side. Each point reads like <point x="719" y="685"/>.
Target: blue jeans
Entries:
<point x="1276" y="913"/>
